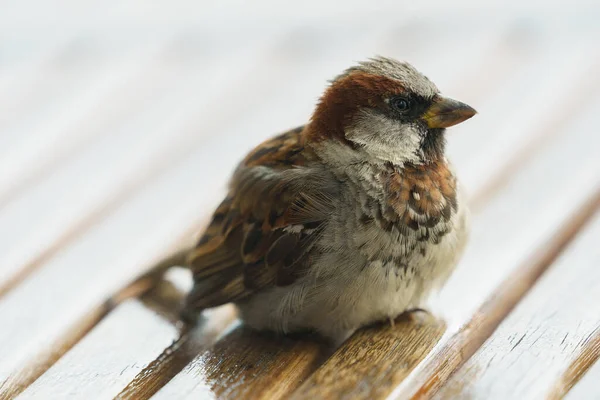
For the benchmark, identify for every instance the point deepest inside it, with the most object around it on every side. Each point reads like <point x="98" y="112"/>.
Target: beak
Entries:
<point x="445" y="112"/>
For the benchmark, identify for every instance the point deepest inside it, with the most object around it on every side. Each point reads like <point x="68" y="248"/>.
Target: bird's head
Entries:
<point x="385" y="111"/>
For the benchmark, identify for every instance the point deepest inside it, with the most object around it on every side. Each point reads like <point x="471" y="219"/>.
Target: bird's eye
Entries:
<point x="400" y="104"/>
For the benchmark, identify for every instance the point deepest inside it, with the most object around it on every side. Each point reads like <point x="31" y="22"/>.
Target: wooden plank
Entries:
<point x="166" y="298"/>
<point x="132" y="80"/>
<point x="587" y="354"/>
<point x="546" y="332"/>
<point x="179" y="354"/>
<point x="496" y="214"/>
<point x="41" y="317"/>
<point x="117" y="355"/>
<point x="142" y="339"/>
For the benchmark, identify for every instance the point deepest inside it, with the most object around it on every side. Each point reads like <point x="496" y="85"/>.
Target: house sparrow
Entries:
<point x="352" y="218"/>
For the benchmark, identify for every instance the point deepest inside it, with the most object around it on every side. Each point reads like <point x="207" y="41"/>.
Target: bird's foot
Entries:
<point x="417" y="316"/>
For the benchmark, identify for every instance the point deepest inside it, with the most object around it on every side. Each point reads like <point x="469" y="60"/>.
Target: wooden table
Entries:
<point x="119" y="125"/>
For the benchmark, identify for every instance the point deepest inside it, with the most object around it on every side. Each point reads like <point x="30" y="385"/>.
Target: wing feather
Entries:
<point x="262" y="233"/>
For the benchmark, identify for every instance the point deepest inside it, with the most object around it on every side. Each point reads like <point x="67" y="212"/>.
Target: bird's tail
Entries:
<point x="151" y="278"/>
<point x="176" y="259"/>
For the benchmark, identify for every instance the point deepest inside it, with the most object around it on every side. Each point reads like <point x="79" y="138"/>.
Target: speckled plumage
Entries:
<point x="353" y="218"/>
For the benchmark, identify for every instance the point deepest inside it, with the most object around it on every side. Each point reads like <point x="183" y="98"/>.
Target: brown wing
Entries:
<point x="261" y="234"/>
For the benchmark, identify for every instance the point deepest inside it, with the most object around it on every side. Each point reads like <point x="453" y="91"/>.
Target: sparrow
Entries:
<point x="355" y="217"/>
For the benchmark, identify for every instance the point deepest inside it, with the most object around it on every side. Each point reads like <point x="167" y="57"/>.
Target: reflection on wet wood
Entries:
<point x="375" y="361"/>
<point x="549" y="340"/>
<point x="248" y="365"/>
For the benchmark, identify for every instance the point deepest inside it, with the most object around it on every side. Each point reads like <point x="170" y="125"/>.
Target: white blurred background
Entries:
<point x="101" y="99"/>
<point x="72" y="72"/>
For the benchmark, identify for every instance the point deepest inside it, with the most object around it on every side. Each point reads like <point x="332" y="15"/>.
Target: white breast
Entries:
<point x="346" y="288"/>
<point x="357" y="294"/>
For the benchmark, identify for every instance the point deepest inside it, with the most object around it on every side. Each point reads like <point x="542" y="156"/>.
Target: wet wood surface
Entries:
<point x="113" y="152"/>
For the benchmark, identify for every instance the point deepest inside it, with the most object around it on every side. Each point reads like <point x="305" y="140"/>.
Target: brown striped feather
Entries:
<point x="246" y="247"/>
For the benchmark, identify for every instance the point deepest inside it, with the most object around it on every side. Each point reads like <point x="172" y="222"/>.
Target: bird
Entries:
<point x="353" y="218"/>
